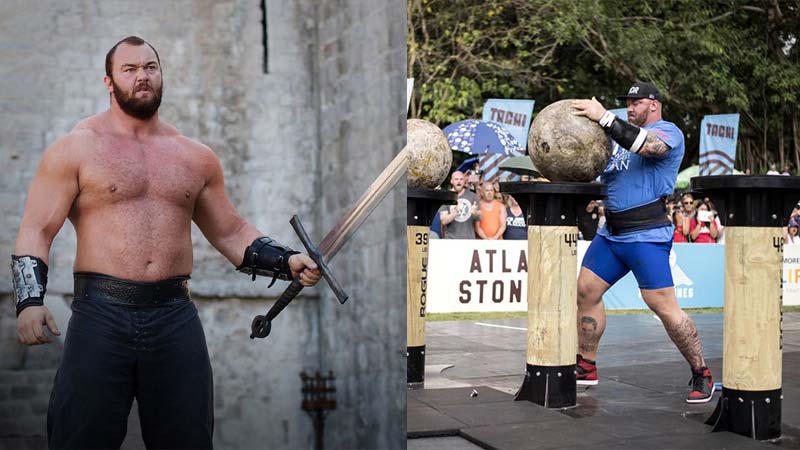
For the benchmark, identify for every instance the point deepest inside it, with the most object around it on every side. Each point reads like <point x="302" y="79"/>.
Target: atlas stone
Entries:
<point x="429" y="154"/>
<point x="566" y="147"/>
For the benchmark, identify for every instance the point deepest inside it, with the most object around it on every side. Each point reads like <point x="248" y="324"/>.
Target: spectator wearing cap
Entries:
<point x="791" y="237"/>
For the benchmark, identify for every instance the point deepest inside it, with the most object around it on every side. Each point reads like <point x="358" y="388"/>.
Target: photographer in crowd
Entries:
<point x="699" y="223"/>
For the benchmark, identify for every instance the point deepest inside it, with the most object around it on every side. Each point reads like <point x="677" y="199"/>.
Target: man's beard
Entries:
<point x="141" y="109"/>
<point x="634" y="120"/>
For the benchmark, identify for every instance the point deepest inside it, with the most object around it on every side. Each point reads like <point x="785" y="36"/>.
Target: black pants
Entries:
<point x="129" y="340"/>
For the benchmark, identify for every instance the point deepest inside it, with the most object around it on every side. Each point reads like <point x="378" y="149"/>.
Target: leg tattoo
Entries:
<point x="588" y="335"/>
<point x="684" y="335"/>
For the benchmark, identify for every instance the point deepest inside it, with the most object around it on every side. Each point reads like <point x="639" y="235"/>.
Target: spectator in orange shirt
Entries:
<point x="492" y="223"/>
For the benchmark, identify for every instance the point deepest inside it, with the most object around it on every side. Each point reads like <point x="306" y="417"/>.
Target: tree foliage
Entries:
<point x="707" y="57"/>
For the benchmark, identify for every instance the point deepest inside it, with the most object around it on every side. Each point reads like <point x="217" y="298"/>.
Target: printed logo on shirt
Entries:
<point x="661" y="134"/>
<point x="464" y="209"/>
<point x="515" y="221"/>
<point x="620" y="159"/>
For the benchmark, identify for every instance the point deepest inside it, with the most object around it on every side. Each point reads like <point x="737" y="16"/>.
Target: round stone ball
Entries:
<point x="566" y="147"/>
<point x="429" y="154"/>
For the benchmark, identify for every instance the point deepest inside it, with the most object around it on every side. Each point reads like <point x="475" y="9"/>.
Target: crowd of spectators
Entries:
<point x="696" y="220"/>
<point x="483" y="212"/>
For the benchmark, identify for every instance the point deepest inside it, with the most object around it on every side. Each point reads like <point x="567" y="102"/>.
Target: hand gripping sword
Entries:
<point x="334" y="241"/>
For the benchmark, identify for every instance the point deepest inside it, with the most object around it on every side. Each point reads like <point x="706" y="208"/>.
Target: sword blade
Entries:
<point x="377" y="191"/>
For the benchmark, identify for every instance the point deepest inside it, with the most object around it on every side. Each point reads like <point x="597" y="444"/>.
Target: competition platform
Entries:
<point x="638" y="403"/>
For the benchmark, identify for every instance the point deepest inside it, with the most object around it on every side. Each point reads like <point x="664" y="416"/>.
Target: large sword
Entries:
<point x="334" y="240"/>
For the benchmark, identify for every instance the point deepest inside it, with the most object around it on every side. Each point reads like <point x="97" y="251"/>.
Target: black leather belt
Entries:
<point x="645" y="217"/>
<point x="104" y="287"/>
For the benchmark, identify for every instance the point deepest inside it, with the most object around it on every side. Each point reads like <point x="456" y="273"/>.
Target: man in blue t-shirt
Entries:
<point x="637" y="235"/>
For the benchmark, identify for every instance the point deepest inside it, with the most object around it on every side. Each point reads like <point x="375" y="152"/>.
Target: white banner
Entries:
<point x="791" y="274"/>
<point x="491" y="276"/>
<point x="477" y="276"/>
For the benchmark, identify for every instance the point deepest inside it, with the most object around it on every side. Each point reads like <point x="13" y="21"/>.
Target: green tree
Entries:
<point x="708" y="58"/>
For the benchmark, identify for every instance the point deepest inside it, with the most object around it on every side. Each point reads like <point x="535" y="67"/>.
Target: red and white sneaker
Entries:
<point x="702" y="386"/>
<point x="586" y="372"/>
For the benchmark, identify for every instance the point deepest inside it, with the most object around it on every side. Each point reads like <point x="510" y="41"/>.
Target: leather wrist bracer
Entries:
<point x="29" y="275"/>
<point x="269" y="258"/>
<point x="629" y="136"/>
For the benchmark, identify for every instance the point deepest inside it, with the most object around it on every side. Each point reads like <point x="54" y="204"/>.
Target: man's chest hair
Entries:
<point x="125" y="171"/>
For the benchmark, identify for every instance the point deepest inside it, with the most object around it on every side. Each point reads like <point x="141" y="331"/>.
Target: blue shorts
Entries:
<point x="649" y="261"/>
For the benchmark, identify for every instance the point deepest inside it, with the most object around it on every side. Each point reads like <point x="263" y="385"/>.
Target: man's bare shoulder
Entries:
<point x="202" y="156"/>
<point x="197" y="150"/>
<point x="91" y="127"/>
<point x="73" y="146"/>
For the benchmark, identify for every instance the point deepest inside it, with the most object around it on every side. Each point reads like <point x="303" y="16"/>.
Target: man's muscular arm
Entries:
<point x="50" y="197"/>
<point x="654" y="147"/>
<point x="228" y="232"/>
<point x="630" y="137"/>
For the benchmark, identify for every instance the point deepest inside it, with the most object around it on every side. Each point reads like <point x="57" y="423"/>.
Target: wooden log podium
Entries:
<point x="421" y="206"/>
<point x="753" y="209"/>
<point x="552" y="342"/>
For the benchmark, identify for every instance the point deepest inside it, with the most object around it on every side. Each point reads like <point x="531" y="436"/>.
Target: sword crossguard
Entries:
<point x="262" y="325"/>
<point x="316" y="255"/>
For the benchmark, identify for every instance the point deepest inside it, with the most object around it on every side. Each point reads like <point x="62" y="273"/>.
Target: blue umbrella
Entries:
<point x="490" y="140"/>
<point x="467" y="164"/>
<point x="478" y="137"/>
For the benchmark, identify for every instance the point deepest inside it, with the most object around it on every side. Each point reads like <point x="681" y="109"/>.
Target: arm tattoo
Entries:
<point x="654" y="147"/>
<point x="684" y="335"/>
<point x="588" y="336"/>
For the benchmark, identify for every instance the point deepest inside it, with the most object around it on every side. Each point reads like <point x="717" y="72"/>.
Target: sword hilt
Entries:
<point x="316" y="255"/>
<point x="262" y="325"/>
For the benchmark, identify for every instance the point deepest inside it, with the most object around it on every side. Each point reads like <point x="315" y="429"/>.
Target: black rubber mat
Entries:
<point x="626" y="410"/>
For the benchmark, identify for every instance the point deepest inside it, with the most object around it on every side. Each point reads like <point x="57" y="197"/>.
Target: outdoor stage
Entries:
<point x="639" y="402"/>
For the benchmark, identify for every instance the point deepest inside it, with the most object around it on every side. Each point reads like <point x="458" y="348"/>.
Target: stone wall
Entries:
<point x="306" y="138"/>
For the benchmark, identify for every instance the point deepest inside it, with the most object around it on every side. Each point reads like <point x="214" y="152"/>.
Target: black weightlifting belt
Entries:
<point x="97" y="286"/>
<point x="645" y="217"/>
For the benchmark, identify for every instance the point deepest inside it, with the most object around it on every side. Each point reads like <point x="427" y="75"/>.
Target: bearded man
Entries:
<point x="131" y="185"/>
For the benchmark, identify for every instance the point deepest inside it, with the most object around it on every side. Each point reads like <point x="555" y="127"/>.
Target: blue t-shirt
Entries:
<point x="634" y="180"/>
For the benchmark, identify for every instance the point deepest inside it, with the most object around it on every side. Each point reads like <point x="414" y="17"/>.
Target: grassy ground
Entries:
<point x="440" y="317"/>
